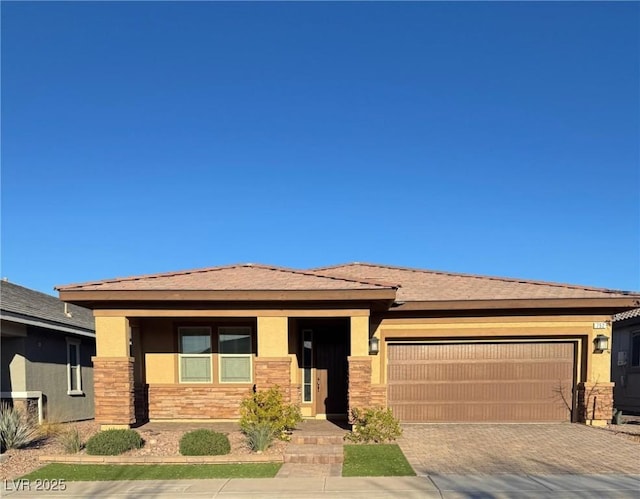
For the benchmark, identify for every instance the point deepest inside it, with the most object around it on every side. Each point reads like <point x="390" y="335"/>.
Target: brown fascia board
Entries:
<point x="82" y="296"/>
<point x="615" y="305"/>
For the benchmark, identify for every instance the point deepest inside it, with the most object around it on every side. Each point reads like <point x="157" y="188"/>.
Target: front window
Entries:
<point x="195" y="354"/>
<point x="307" y="352"/>
<point x="234" y="352"/>
<point x="74" y="374"/>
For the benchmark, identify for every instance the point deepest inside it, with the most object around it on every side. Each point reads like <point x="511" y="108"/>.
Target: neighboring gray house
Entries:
<point x="46" y="353"/>
<point x="625" y="361"/>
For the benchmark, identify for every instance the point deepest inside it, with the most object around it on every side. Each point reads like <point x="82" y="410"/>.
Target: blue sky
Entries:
<point x="491" y="138"/>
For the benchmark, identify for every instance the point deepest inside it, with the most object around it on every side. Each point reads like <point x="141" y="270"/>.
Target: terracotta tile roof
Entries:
<point x="629" y="314"/>
<point x="429" y="285"/>
<point x="242" y="277"/>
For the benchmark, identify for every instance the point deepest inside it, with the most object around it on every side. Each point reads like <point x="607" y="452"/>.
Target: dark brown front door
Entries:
<point x="331" y="372"/>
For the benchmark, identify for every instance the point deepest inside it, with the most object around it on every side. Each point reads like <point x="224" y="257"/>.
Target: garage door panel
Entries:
<point x="481" y="381"/>
<point x="551" y="370"/>
<point x="511" y="391"/>
<point x="464" y="413"/>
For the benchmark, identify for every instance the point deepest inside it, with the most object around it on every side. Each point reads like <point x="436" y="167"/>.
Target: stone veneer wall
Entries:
<point x="274" y="371"/>
<point x="379" y="396"/>
<point x="595" y="402"/>
<point x="206" y="401"/>
<point x="113" y="390"/>
<point x="359" y="382"/>
<point x="296" y="394"/>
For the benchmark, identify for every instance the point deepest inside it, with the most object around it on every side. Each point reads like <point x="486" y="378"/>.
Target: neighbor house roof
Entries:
<point x="629" y="314"/>
<point x="26" y="306"/>
<point x="430" y="285"/>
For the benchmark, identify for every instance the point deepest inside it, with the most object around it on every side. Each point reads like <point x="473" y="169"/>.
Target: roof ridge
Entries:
<point x="479" y="276"/>
<point x="222" y="267"/>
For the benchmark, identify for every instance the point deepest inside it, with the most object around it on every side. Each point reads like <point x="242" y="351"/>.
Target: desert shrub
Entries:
<point x="259" y="436"/>
<point x="373" y="425"/>
<point x="16" y="430"/>
<point x="71" y="440"/>
<point x="113" y="442"/>
<point x="204" y="443"/>
<point x="267" y="408"/>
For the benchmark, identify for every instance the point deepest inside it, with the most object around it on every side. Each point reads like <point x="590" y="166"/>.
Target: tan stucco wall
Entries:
<point x="273" y="336"/>
<point x="359" y="336"/>
<point x="112" y="336"/>
<point x="161" y="368"/>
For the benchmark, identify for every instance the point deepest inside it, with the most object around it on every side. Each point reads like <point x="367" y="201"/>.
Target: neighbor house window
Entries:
<point x="74" y="374"/>
<point x="635" y="350"/>
<point x="195" y="354"/>
<point x="234" y="354"/>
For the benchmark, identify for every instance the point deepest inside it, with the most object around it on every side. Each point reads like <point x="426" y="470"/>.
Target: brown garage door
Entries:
<point x="484" y="382"/>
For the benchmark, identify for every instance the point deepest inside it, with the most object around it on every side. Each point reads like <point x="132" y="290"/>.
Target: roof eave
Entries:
<point x="88" y="297"/>
<point x="612" y="305"/>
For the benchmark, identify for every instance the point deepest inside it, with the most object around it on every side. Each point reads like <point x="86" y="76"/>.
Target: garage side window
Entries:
<point x="195" y="354"/>
<point x="235" y="354"/>
<point x="635" y="349"/>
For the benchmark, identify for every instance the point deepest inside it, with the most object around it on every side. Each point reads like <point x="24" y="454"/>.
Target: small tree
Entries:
<point x="267" y="407"/>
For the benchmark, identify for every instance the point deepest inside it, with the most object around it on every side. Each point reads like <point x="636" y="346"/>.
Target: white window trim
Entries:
<point x="75" y="344"/>
<point x="192" y="355"/>
<point x="235" y="330"/>
<point x="302" y="369"/>
<point x="235" y="355"/>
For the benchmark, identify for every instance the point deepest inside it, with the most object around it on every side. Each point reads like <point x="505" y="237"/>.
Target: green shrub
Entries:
<point x="373" y="425"/>
<point x="267" y="407"/>
<point x="71" y="441"/>
<point x="204" y="443"/>
<point x="113" y="442"/>
<point x="259" y="436"/>
<point x="16" y="430"/>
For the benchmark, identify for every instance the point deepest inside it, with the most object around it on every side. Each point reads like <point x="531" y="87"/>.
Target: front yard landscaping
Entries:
<point x="375" y="460"/>
<point x="103" y="472"/>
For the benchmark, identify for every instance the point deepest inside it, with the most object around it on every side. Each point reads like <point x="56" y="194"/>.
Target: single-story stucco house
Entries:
<point x="625" y="361"/>
<point x="432" y="346"/>
<point x="46" y="351"/>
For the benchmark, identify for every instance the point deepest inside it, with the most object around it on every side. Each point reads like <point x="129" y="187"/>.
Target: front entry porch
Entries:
<point x="198" y="368"/>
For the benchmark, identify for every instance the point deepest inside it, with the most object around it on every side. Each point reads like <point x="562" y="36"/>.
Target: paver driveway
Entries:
<point x="517" y="448"/>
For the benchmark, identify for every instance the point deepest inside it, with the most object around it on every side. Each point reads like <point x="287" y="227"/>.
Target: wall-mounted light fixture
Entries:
<point x="374" y="345"/>
<point x="601" y="343"/>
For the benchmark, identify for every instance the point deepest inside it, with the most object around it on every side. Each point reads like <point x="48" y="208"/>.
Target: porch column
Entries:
<point x="273" y="364"/>
<point x="113" y="373"/>
<point x="359" y="364"/>
<point x="595" y="395"/>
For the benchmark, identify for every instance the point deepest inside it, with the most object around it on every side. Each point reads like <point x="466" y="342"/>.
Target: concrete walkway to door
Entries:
<point x="517" y="448"/>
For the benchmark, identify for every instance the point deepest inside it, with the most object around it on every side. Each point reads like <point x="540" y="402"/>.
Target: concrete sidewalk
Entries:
<point x="423" y="487"/>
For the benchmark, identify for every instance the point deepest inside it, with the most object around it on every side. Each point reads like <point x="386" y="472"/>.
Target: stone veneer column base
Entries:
<point x="274" y="371"/>
<point x="379" y="396"/>
<point x="359" y="382"/>
<point x="113" y="391"/>
<point x="595" y="403"/>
